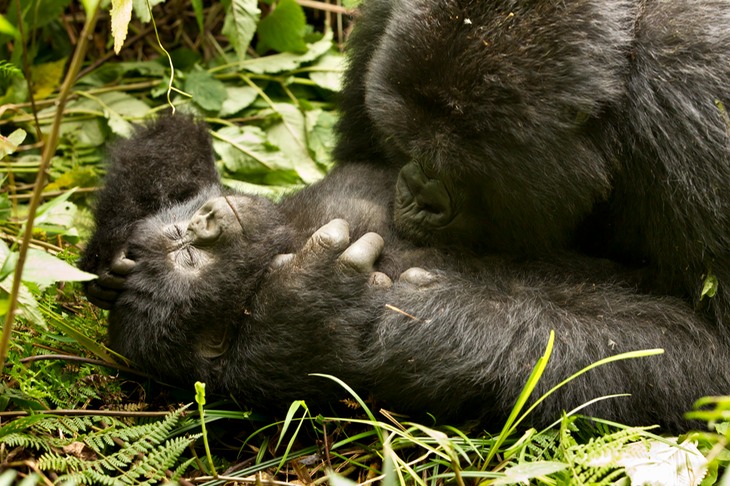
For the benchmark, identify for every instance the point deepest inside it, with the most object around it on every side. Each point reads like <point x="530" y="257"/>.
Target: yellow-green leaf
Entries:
<point x="121" y="14"/>
<point x="47" y="77"/>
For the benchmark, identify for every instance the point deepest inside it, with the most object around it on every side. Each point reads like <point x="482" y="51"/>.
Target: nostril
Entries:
<point x="205" y="225"/>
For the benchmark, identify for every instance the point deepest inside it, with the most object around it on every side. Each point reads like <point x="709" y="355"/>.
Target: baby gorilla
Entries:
<point x="253" y="297"/>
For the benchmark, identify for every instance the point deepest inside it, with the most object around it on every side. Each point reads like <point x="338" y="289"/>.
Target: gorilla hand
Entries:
<point x="327" y="271"/>
<point x="105" y="290"/>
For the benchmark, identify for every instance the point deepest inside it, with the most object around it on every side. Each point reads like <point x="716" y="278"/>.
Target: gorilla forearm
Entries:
<point x="461" y="346"/>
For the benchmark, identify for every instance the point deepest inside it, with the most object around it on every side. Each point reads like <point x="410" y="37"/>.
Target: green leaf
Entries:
<point x="245" y="151"/>
<point x="44" y="269"/>
<point x="327" y="71"/>
<point x="47" y="77"/>
<point x="90" y="6"/>
<point x="6" y="27"/>
<point x="28" y="305"/>
<point x="321" y="138"/>
<point x="710" y="286"/>
<point x="142" y="11"/>
<point x="283" y="29"/>
<point x="290" y="135"/>
<point x="198" y="9"/>
<point x="288" y="61"/>
<point x="238" y="98"/>
<point x="121" y="15"/>
<point x="207" y="92"/>
<point x="9" y="144"/>
<point x="240" y="24"/>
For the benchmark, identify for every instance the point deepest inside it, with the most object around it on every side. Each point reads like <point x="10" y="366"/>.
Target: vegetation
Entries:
<point x="264" y="75"/>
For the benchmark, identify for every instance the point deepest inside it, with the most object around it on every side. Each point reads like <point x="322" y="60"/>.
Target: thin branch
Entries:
<point x="326" y="7"/>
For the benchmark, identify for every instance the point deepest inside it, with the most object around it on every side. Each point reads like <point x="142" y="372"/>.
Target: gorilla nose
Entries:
<point x="209" y="222"/>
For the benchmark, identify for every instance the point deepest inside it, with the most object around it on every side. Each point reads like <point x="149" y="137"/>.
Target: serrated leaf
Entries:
<point x="240" y="24"/>
<point x="327" y="71"/>
<point x="44" y="269"/>
<point x="238" y="98"/>
<point x="207" y="92"/>
<point x="283" y="29"/>
<point x="288" y="61"/>
<point x="121" y="15"/>
<point x="47" y="77"/>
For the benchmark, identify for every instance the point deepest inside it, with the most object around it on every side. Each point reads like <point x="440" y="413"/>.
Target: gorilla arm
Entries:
<point x="464" y="347"/>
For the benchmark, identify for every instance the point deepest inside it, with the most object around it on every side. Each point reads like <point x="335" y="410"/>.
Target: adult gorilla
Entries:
<point x="529" y="127"/>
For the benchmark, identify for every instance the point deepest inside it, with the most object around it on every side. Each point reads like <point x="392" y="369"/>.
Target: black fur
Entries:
<point x="210" y="294"/>
<point x="533" y="126"/>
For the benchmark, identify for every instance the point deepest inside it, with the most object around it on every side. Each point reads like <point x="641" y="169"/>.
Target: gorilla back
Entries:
<point x="252" y="297"/>
<point x="530" y="127"/>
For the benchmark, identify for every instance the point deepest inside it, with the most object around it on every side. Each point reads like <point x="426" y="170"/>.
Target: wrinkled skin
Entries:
<point x="254" y="298"/>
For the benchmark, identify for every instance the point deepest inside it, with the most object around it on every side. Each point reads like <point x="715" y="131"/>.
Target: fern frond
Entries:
<point x="9" y="70"/>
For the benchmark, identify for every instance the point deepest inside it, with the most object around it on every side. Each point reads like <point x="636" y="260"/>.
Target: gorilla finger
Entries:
<point x="380" y="280"/>
<point x="122" y="265"/>
<point x="361" y="255"/>
<point x="280" y="261"/>
<point x="111" y="282"/>
<point x="332" y="238"/>
<point x="418" y="277"/>
<point x="101" y="297"/>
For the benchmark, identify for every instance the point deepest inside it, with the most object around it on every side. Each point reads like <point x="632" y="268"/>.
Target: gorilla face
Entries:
<point x="492" y="110"/>
<point x="212" y="247"/>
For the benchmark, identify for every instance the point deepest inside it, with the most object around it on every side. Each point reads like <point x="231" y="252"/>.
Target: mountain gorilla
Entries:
<point x="528" y="127"/>
<point x="252" y="297"/>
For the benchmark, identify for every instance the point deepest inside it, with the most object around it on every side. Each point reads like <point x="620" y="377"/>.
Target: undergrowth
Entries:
<point x="264" y="75"/>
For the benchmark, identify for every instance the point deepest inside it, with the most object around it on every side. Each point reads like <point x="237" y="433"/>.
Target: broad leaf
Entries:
<point x="290" y="135"/>
<point x="44" y="269"/>
<point x="238" y="98"/>
<point x="327" y="71"/>
<point x="207" y="92"/>
<point x="246" y="151"/>
<point x="283" y="29"/>
<point x="287" y="61"/>
<point x="47" y="77"/>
